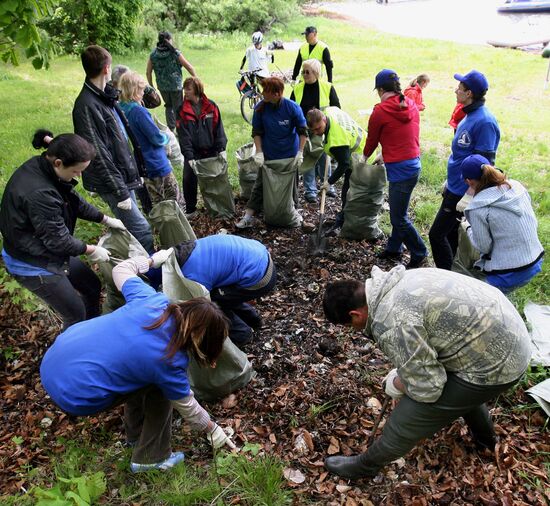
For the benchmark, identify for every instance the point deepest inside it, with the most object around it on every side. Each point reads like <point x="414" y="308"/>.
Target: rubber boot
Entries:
<point x="350" y="468"/>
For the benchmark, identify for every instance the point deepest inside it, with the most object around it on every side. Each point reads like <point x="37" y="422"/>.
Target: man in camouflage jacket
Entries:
<point x="456" y="343"/>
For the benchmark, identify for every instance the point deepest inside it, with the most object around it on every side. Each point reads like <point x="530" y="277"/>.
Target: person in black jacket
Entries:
<point x="38" y="214"/>
<point x="201" y="135"/>
<point x="113" y="173"/>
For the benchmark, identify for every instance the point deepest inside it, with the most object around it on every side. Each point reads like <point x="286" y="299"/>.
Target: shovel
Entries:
<point x="385" y="405"/>
<point x="318" y="243"/>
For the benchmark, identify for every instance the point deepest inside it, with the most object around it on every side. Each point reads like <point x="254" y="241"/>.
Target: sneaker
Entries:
<point x="312" y="199"/>
<point x="169" y="463"/>
<point x="246" y="222"/>
<point x="389" y="255"/>
<point x="415" y="264"/>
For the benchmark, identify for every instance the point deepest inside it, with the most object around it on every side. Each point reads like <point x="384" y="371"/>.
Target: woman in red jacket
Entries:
<point x="395" y="125"/>
<point x="414" y="91"/>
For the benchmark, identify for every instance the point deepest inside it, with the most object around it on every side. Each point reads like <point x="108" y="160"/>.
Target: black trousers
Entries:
<point x="233" y="301"/>
<point x="339" y="222"/>
<point x="444" y="231"/>
<point x="74" y="296"/>
<point x="412" y="421"/>
<point x="190" y="188"/>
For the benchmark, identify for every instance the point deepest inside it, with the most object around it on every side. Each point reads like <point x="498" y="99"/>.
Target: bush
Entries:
<point x="108" y="23"/>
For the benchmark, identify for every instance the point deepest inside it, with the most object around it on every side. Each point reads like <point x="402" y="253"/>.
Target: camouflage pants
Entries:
<point x="412" y="421"/>
<point x="165" y="188"/>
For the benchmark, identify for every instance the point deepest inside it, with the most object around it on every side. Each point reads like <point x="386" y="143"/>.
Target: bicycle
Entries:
<point x="250" y="94"/>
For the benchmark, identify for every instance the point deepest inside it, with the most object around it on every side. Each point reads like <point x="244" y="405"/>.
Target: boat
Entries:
<point x="526" y="6"/>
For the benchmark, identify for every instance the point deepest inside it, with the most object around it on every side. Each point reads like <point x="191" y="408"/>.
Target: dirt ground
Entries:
<point x="317" y="393"/>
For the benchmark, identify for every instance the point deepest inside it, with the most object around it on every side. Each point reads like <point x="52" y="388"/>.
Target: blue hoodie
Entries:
<point x="150" y="139"/>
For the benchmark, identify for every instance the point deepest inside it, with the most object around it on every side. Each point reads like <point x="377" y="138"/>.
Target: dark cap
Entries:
<point x="385" y="76"/>
<point x="472" y="166"/>
<point x="309" y="29"/>
<point x="474" y="81"/>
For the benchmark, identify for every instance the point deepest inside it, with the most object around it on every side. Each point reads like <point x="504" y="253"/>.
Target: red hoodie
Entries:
<point x="396" y="128"/>
<point x="415" y="94"/>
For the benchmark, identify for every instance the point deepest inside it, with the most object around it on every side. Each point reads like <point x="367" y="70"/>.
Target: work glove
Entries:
<point x="125" y="205"/>
<point x="99" y="254"/>
<point x="113" y="223"/>
<point x="223" y="155"/>
<point x="389" y="387"/>
<point x="259" y="159"/>
<point x="378" y="160"/>
<point x="364" y="159"/>
<point x="160" y="257"/>
<point x="298" y="159"/>
<point x="218" y="438"/>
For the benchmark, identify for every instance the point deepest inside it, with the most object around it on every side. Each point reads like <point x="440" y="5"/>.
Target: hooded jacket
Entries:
<point x="504" y="228"/>
<point x="415" y="94"/>
<point x="38" y="216"/>
<point x="431" y="322"/>
<point x="396" y="127"/>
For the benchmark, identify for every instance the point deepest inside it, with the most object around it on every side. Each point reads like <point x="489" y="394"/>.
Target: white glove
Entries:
<point x="218" y="438"/>
<point x="298" y="159"/>
<point x="160" y="257"/>
<point x="113" y="223"/>
<point x="363" y="159"/>
<point x="378" y="160"/>
<point x="99" y="254"/>
<point x="125" y="205"/>
<point x="223" y="155"/>
<point x="389" y="387"/>
<point x="259" y="159"/>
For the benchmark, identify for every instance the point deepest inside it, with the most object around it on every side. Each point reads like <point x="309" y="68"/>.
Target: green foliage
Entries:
<point x="18" y="31"/>
<point x="16" y="293"/>
<point x="108" y="23"/>
<point x="80" y="491"/>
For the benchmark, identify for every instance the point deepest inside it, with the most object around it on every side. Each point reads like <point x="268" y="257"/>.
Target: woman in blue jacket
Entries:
<point x="138" y="356"/>
<point x="160" y="181"/>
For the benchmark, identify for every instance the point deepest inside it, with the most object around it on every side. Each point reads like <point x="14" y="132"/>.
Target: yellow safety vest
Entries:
<point x="324" y="93"/>
<point x="343" y="131"/>
<point x="316" y="54"/>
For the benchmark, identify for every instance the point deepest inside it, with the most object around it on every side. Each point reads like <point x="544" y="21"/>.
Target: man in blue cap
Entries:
<point x="477" y="133"/>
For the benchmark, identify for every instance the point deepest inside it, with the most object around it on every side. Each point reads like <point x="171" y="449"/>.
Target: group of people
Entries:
<point x="455" y="342"/>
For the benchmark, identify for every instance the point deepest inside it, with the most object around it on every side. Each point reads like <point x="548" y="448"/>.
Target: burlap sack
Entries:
<point x="215" y="187"/>
<point x="278" y="181"/>
<point x="364" y="200"/>
<point x="248" y="170"/>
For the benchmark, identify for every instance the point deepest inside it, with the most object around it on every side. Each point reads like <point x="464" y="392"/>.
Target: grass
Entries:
<point x="33" y="99"/>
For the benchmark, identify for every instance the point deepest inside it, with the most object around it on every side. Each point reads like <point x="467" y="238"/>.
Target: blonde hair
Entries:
<point x="313" y="65"/>
<point x="130" y="83"/>
<point x="420" y="80"/>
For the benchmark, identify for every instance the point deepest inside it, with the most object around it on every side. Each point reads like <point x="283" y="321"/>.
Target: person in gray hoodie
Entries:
<point x="503" y="226"/>
<point x="455" y="343"/>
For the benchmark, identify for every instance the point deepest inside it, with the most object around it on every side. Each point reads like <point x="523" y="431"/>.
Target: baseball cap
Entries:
<point x="471" y="166"/>
<point x="309" y="29"/>
<point x="474" y="81"/>
<point x="385" y="76"/>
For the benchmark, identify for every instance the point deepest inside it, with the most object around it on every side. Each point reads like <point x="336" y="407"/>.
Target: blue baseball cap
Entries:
<point x="385" y="76"/>
<point x="474" y="81"/>
<point x="472" y="166"/>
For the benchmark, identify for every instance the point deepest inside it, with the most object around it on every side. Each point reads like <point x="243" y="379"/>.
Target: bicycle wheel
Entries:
<point x="248" y="103"/>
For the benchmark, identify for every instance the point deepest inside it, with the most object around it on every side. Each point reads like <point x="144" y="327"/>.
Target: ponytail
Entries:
<point x="69" y="148"/>
<point x="200" y="328"/>
<point x="491" y="176"/>
<point x="420" y="79"/>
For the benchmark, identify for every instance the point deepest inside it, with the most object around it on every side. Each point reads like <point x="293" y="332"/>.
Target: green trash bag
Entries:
<point x="364" y="200"/>
<point x="278" y="181"/>
<point x="215" y="187"/>
<point x="313" y="150"/>
<point x="170" y="223"/>
<point x="122" y="245"/>
<point x="233" y="369"/>
<point x="248" y="170"/>
<point x="466" y="255"/>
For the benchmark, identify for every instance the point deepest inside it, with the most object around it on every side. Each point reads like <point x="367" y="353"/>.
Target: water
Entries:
<point x="467" y="21"/>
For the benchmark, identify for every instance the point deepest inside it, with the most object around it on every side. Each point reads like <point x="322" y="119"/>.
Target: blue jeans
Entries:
<point x="310" y="184"/>
<point x="133" y="220"/>
<point x="403" y="231"/>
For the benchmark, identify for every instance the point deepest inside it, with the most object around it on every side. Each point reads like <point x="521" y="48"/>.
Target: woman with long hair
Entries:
<point x="415" y="88"/>
<point x="395" y="125"/>
<point x="503" y="226"/>
<point x="38" y="215"/>
<point x="138" y="356"/>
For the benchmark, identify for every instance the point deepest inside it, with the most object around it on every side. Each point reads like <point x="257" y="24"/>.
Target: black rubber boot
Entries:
<point x="350" y="468"/>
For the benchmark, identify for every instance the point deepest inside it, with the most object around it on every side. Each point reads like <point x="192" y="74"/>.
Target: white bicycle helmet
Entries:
<point x="257" y="37"/>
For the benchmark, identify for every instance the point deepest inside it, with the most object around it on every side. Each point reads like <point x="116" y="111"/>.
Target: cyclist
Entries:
<point x="313" y="48"/>
<point x="258" y="57"/>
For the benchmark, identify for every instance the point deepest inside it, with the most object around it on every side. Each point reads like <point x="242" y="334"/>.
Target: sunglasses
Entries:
<point x="306" y="72"/>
